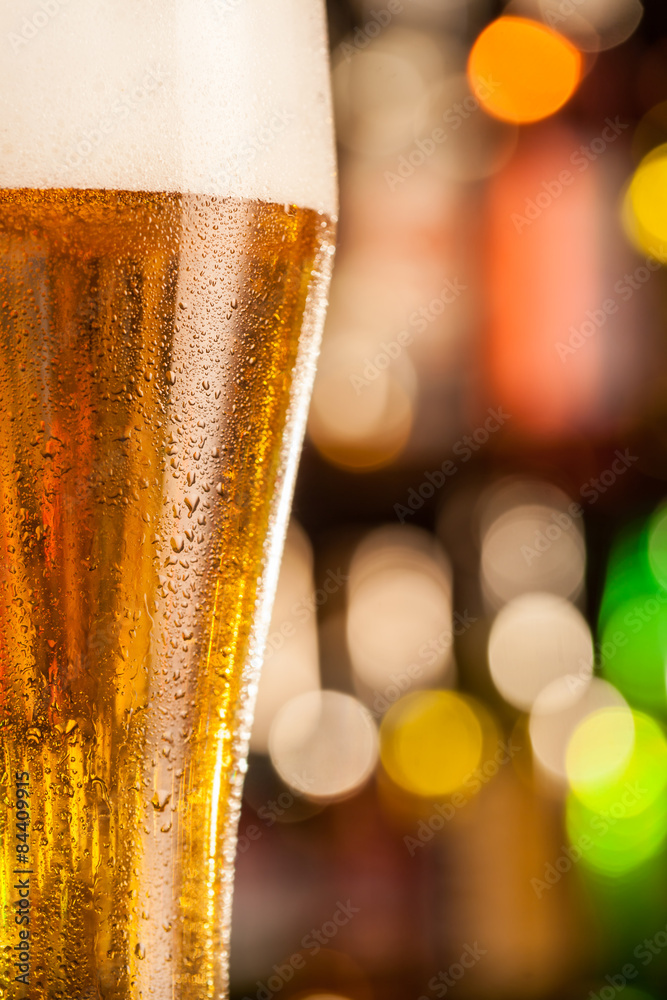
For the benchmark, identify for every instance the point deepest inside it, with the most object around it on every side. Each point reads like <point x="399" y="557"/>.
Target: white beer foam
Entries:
<point x="227" y="97"/>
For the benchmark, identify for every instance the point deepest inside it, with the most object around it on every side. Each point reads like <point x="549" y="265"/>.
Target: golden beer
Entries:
<point x="156" y="355"/>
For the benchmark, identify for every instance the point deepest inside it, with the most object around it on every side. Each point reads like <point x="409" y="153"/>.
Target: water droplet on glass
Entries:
<point x="160" y="799"/>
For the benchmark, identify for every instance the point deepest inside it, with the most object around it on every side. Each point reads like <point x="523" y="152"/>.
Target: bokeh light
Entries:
<point x="632" y="621"/>
<point x="617" y="820"/>
<point x="544" y="239"/>
<point x="521" y="71"/>
<point x="362" y="424"/>
<point x="290" y="665"/>
<point x="535" y="639"/>
<point x="399" y="619"/>
<point x="629" y="572"/>
<point x="432" y="741"/>
<point x="324" y="745"/>
<point x="619" y="842"/>
<point x="645" y="210"/>
<point x="634" y="650"/>
<point x="599" y="752"/>
<point x="476" y="145"/>
<point x="557" y="711"/>
<point x="531" y="540"/>
<point x="608" y="749"/>
<point x="377" y="93"/>
<point x="593" y="25"/>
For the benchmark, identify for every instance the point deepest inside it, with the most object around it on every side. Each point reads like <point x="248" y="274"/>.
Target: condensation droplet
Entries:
<point x="160" y="799"/>
<point x="191" y="504"/>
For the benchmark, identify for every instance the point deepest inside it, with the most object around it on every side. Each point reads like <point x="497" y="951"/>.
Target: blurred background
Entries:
<point x="458" y="777"/>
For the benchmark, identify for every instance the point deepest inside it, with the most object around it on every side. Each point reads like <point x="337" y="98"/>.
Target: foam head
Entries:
<point x="226" y="97"/>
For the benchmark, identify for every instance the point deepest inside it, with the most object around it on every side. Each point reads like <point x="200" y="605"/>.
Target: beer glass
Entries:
<point x="167" y="202"/>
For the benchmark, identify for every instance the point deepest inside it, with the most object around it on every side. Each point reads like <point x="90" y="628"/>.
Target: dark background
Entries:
<point x="414" y="913"/>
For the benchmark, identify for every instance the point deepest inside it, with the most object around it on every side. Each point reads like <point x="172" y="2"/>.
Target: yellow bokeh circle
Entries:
<point x="431" y="742"/>
<point x="645" y="208"/>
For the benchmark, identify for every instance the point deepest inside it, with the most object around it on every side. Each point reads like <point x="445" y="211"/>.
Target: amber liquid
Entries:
<point x="156" y="357"/>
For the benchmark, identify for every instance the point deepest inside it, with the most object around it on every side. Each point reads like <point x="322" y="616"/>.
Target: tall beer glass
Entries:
<point x="166" y="234"/>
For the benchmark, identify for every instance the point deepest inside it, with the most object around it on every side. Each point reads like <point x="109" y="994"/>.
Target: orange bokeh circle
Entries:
<point x="522" y="71"/>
